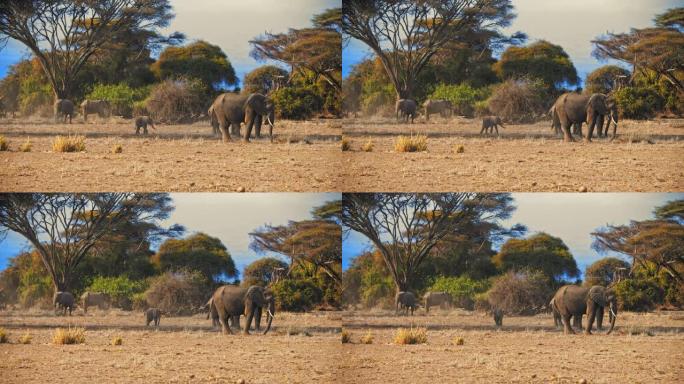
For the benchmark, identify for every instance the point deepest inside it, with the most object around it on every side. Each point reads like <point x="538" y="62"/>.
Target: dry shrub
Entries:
<point x="177" y="101"/>
<point x="117" y="340"/>
<point x="459" y="148"/>
<point x="4" y="145"/>
<point x="3" y="336"/>
<point x="177" y="293"/>
<point x="411" y="143"/>
<point x="520" y="293"/>
<point x="69" y="144"/>
<point x="346" y="337"/>
<point x="346" y="144"/>
<point x="25" y="338"/>
<point x="367" y="338"/>
<point x="367" y="146"/>
<point x="69" y="336"/>
<point x="411" y="336"/>
<point x="117" y="148"/>
<point x="26" y="146"/>
<point x="518" y="101"/>
<point x="457" y="341"/>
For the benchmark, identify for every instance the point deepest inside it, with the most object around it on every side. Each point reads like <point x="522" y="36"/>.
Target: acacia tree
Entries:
<point x="406" y="34"/>
<point x="199" y="252"/>
<point x="64" y="35"/>
<point x="64" y="228"/>
<point x="405" y="228"/>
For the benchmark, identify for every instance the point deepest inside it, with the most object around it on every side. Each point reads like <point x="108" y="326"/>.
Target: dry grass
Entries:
<point x="411" y="336"/>
<point x="4" y="145"/>
<point x="26" y="146"/>
<point x="367" y="146"/>
<point x="411" y="143"/>
<point x="346" y="144"/>
<point x="117" y="148"/>
<point x="346" y="337"/>
<point x="69" y="144"/>
<point x="367" y="338"/>
<point x="457" y="341"/>
<point x="459" y="149"/>
<point x="69" y="336"/>
<point x="117" y="340"/>
<point x="3" y="336"/>
<point x="25" y="338"/>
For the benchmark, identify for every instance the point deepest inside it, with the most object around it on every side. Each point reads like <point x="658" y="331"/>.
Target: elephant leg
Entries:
<point x="145" y="129"/>
<point x="599" y="319"/>
<point x="248" y="324"/>
<point x="248" y="127"/>
<point x="257" y="319"/>
<point x="567" y="329"/>
<point x="497" y="129"/>
<point x="225" y="135"/>
<point x="591" y="314"/>
<point x="223" y="320"/>
<point x="257" y="126"/>
<point x="567" y="137"/>
<point x="591" y="123"/>
<point x="482" y="131"/>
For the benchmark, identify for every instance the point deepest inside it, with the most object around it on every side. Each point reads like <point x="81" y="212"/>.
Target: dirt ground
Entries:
<point x="175" y="158"/>
<point x="524" y="350"/>
<point x="647" y="156"/>
<point x="181" y="350"/>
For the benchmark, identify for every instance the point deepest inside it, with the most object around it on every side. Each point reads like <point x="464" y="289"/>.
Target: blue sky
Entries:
<point x="570" y="216"/>
<point x="228" y="24"/>
<point x="228" y="216"/>
<point x="566" y="23"/>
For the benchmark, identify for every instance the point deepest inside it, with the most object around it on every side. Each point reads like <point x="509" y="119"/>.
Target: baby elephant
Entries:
<point x="490" y="123"/>
<point x="153" y="314"/>
<point x="142" y="122"/>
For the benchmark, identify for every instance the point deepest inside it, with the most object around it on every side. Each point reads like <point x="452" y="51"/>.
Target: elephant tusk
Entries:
<point x="270" y="314"/>
<point x="611" y="312"/>
<point x="268" y="118"/>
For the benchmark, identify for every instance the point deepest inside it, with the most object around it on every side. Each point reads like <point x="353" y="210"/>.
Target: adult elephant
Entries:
<point x="101" y="107"/>
<point x="89" y="299"/>
<point x="558" y="320"/>
<point x="444" y="107"/>
<point x="230" y="301"/>
<point x="63" y="301"/>
<point x="227" y="111"/>
<point x="64" y="108"/>
<point x="405" y="301"/>
<point x="257" y="108"/>
<point x="573" y="300"/>
<point x="574" y="109"/>
<point x="597" y="116"/>
<point x="437" y="298"/>
<point x="405" y="108"/>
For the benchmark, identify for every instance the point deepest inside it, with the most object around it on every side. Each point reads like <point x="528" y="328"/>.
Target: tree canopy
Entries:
<point x="199" y="60"/>
<point x="264" y="79"/>
<point x="605" y="271"/>
<point x="605" y="79"/>
<point x="199" y="252"/>
<point x="263" y="271"/>
<point x="540" y="60"/>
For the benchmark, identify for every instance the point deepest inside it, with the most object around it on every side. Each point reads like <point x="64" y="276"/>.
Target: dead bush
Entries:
<point x="411" y="336"/>
<point x="177" y="293"/>
<point x="411" y="143"/>
<point x="69" y="336"/>
<point x="177" y="101"/>
<point x="518" y="101"/>
<point x="520" y="293"/>
<point x="69" y="144"/>
<point x="4" y="144"/>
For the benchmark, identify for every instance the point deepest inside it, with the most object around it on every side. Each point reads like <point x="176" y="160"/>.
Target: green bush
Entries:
<point x="463" y="96"/>
<point x="35" y="96"/>
<point x="375" y="95"/>
<point x="35" y="289"/>
<point x="122" y="97"/>
<point x="297" y="103"/>
<point x="297" y="295"/>
<point x="462" y="289"/>
<point x="641" y="102"/>
<point x="639" y="295"/>
<point x="121" y="289"/>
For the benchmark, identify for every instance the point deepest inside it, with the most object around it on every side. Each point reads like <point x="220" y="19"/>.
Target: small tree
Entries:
<point x="541" y="60"/>
<point x="606" y="79"/>
<point x="605" y="271"/>
<point x="199" y="60"/>
<point x="264" y="79"/>
<point x="199" y="252"/>
<point x="263" y="271"/>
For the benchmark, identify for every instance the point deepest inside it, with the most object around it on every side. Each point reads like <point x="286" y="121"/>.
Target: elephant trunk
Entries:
<point x="270" y="313"/>
<point x="613" y="312"/>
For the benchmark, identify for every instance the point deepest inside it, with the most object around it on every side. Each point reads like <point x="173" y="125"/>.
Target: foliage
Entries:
<point x="639" y="102"/>
<point x="462" y="96"/>
<point x="264" y="79"/>
<point x="121" y="96"/>
<point x="121" y="289"/>
<point x="520" y="293"/>
<point x="297" y="103"/>
<point x="262" y="271"/>
<point x="199" y="60"/>
<point x="603" y="271"/>
<point x="605" y="79"/>
<point x="518" y="101"/>
<point x="541" y="252"/>
<point x="541" y="60"/>
<point x="179" y="293"/>
<point x="297" y="295"/>
<point x="177" y="101"/>
<point x="462" y="289"/>
<point x="199" y="252"/>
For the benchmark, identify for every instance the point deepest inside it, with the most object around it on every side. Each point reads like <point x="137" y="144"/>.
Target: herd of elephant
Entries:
<point x="228" y="111"/>
<point x="224" y="307"/>
<point x="570" y="110"/>
<point x="569" y="302"/>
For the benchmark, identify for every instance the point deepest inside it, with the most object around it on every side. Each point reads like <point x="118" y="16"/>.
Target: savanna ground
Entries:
<point x="647" y="156"/>
<point x="305" y="156"/>
<point x="643" y="348"/>
<point x="300" y="348"/>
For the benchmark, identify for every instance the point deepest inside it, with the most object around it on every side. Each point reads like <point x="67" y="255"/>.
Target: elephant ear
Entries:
<point x="598" y="295"/>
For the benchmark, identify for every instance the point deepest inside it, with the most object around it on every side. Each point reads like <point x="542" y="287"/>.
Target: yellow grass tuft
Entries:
<point x="457" y="341"/>
<point x="117" y="340"/>
<point x="459" y="149"/>
<point x="4" y="145"/>
<point x="26" y="146"/>
<point x="25" y="338"/>
<point x="411" y="143"/>
<point x="367" y="146"/>
<point x="367" y="338"/>
<point x="3" y="336"/>
<point x="411" y="336"/>
<point x="346" y="337"/>
<point x="69" y="144"/>
<point x="346" y="144"/>
<point x="69" y="336"/>
<point x="117" y="148"/>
